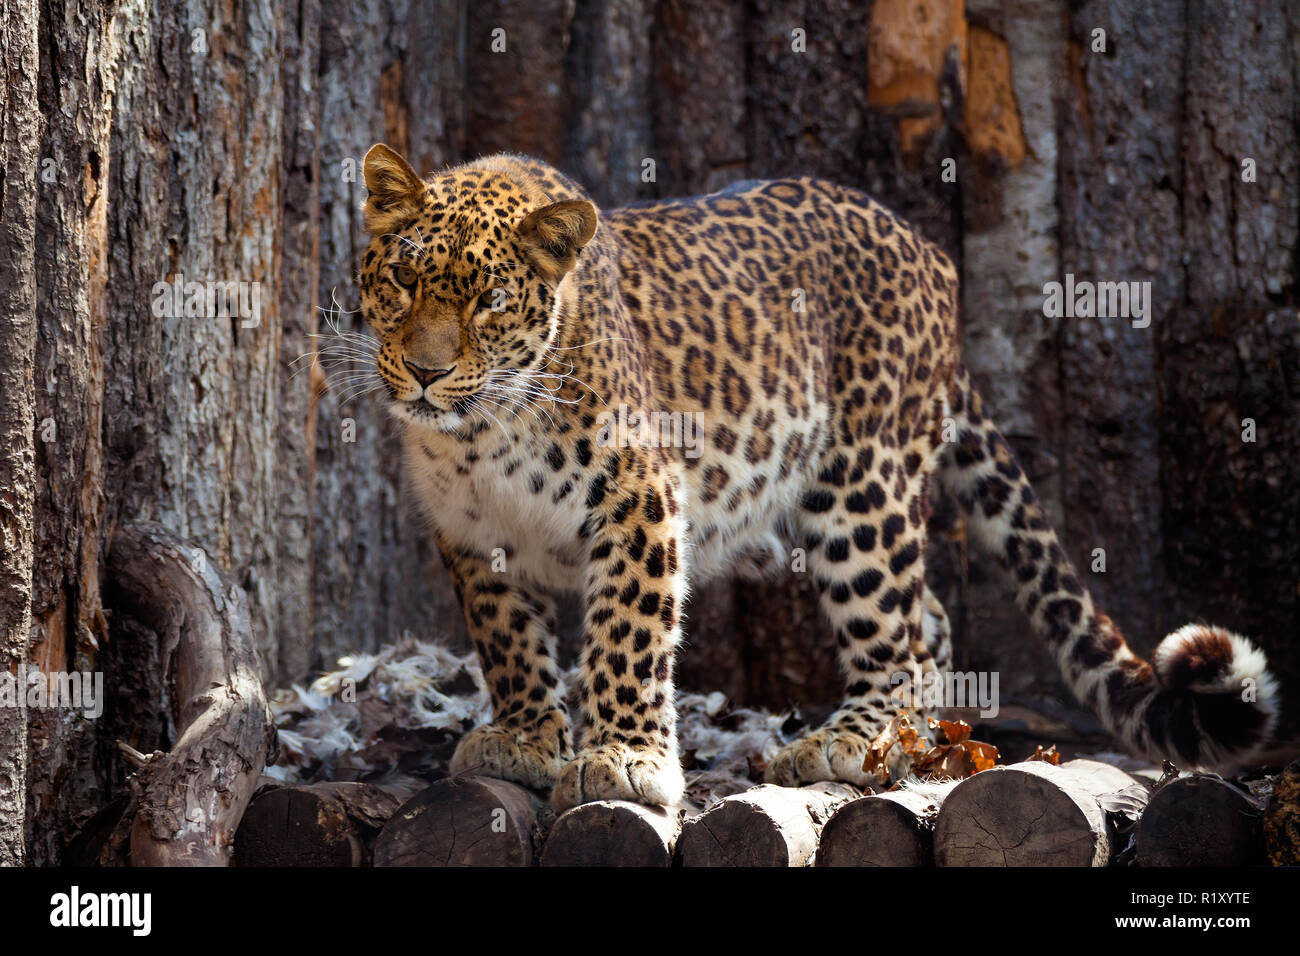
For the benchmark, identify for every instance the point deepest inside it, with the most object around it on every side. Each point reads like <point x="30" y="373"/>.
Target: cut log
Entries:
<point x="614" y="833"/>
<point x="1030" y="814"/>
<point x="764" y="826"/>
<point x="889" y="829"/>
<point x="1282" y="818"/>
<point x="189" y="802"/>
<point x="325" y="824"/>
<point x="1201" y="820"/>
<point x="465" y="821"/>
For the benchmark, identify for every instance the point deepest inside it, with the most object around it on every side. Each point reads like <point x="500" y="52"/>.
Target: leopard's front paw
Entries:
<point x="532" y="756"/>
<point x="620" y="772"/>
<point x="832" y="753"/>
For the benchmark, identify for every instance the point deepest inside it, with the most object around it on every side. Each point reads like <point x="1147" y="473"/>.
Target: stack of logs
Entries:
<point x="1080" y="813"/>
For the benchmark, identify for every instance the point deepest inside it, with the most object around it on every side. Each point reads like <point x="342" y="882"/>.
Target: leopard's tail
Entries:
<point x="1207" y="697"/>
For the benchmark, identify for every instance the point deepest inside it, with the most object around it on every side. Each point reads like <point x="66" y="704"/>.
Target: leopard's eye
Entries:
<point x="493" y="300"/>
<point x="405" y="276"/>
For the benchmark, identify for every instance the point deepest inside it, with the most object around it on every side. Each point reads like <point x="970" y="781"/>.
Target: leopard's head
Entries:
<point x="463" y="281"/>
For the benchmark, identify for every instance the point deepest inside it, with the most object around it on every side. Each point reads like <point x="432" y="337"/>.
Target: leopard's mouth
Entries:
<point x="422" y="406"/>
<point x="422" y="411"/>
<point x="415" y="409"/>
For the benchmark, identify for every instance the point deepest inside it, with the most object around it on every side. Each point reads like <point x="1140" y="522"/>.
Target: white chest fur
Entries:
<point x="511" y="507"/>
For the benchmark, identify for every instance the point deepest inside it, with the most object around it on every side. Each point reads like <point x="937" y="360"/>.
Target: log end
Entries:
<point x="1200" y="821"/>
<point x="612" y="833"/>
<point x="1030" y="814"/>
<point x="462" y="821"/>
<point x="296" y="826"/>
<point x="876" y="831"/>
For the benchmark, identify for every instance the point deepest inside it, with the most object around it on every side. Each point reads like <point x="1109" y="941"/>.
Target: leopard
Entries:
<point x="626" y="403"/>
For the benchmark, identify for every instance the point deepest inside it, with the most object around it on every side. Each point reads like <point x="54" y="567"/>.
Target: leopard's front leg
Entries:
<point x="634" y="588"/>
<point x="513" y="629"/>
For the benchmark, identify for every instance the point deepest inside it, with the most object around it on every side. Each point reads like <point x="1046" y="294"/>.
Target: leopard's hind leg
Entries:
<point x="864" y="524"/>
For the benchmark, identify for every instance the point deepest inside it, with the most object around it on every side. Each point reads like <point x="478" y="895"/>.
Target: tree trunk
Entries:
<point x="1231" y="357"/>
<point x="77" y="71"/>
<point x="18" y="169"/>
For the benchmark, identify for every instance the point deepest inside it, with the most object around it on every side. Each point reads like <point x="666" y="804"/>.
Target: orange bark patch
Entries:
<point x="991" y="113"/>
<point x="392" y="95"/>
<point x="908" y="43"/>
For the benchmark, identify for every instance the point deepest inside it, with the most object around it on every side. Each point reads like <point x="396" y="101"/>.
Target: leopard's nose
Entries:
<point x="426" y="376"/>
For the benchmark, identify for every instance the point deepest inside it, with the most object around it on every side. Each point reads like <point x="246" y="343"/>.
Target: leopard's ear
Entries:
<point x="395" y="189"/>
<point x="555" y="234"/>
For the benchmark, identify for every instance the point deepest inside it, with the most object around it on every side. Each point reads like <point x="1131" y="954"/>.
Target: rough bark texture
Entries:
<point x="1231" y="526"/>
<point x="1120" y="171"/>
<point x="77" y="69"/>
<point x="1010" y="249"/>
<point x="372" y="562"/>
<point x="18" y="169"/>
<point x="299" y="296"/>
<point x="221" y="142"/>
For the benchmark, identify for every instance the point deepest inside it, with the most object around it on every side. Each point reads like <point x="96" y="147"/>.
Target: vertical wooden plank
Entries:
<point x="1009" y="250"/>
<point x="817" y="113"/>
<point x="607" y="126"/>
<point x="515" y="79"/>
<point x="356" y="495"/>
<point x="375" y="570"/>
<point x="435" y="84"/>
<point x="699" y="139"/>
<point x="807" y="107"/>
<point x="1120" y="219"/>
<point x="806" y="117"/>
<point x="699" y="146"/>
<point x="1232" y="352"/>
<point x="299" y="282"/>
<point x="427" y="107"/>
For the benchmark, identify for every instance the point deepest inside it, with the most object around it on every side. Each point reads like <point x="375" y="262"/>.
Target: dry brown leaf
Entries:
<point x="956" y="732"/>
<point x="953" y="755"/>
<point x="898" y="732"/>
<point x="1049" y="755"/>
<point x="956" y="756"/>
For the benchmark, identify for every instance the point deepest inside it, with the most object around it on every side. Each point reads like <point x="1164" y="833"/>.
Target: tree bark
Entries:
<point x="1120" y="219"/>
<point x="18" y="170"/>
<point x="76" y="75"/>
<point x="1232" y="353"/>
<point x="1008" y="196"/>
<point x="608" y="122"/>
<point x="298" y="271"/>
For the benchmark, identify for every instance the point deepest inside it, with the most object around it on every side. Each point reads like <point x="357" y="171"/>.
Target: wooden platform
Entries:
<point x="1081" y="813"/>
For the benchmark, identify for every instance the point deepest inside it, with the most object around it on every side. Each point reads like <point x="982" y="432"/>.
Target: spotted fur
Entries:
<point x="814" y="334"/>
